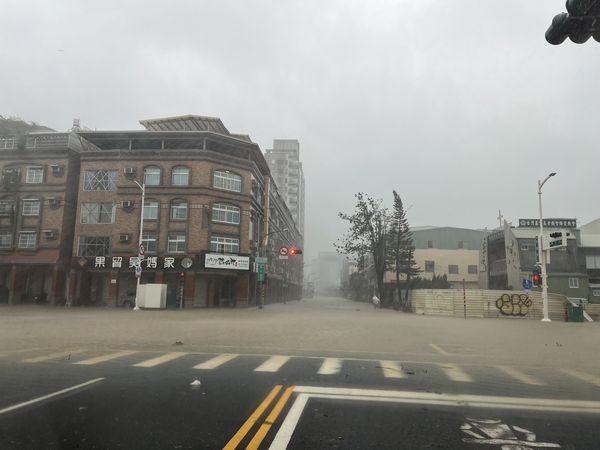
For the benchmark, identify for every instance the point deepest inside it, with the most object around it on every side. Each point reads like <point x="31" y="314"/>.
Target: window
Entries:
<point x="100" y="180"/>
<point x="97" y="213"/>
<point x="94" y="246"/>
<point x="150" y="242"/>
<point x="7" y="207"/>
<point x="225" y="213"/>
<point x="596" y="292"/>
<point x="152" y="176"/>
<point x="573" y="283"/>
<point x="35" y="175"/>
<point x="453" y="269"/>
<point x="27" y="239"/>
<point x="220" y="244"/>
<point x="176" y="243"/>
<point x="228" y="181"/>
<point x="429" y="266"/>
<point x="151" y="210"/>
<point x="461" y="244"/>
<point x="179" y="210"/>
<point x="5" y="239"/>
<point x="472" y="270"/>
<point x="429" y="244"/>
<point x="180" y="176"/>
<point x="31" y="207"/>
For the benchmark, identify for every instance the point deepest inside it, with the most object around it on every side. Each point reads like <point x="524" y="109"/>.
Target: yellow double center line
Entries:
<point x="255" y="416"/>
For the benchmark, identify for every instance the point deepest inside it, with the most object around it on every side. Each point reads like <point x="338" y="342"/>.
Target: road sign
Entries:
<point x="527" y="284"/>
<point x="138" y="271"/>
<point x="283" y="251"/>
<point x="261" y="272"/>
<point x="283" y="257"/>
<point x="261" y="260"/>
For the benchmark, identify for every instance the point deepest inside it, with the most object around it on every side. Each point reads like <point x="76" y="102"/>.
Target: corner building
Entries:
<point x="203" y="215"/>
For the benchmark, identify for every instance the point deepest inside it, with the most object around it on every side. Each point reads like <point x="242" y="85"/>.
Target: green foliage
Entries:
<point x="367" y="235"/>
<point x="436" y="282"/>
<point x="14" y="126"/>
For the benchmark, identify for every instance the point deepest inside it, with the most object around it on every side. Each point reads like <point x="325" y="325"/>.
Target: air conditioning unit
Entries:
<point x="53" y="201"/>
<point x="50" y="234"/>
<point x="124" y="238"/>
<point x="129" y="170"/>
<point x="128" y="204"/>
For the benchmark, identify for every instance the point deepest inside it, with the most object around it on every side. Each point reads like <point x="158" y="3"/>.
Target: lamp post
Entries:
<point x="138" y="277"/>
<point x="542" y="254"/>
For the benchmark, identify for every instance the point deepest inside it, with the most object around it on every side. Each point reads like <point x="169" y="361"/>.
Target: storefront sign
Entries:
<point x="556" y="223"/>
<point x="149" y="262"/>
<point x="218" y="261"/>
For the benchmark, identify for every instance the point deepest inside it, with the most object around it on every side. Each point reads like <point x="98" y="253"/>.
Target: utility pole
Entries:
<point x="542" y="254"/>
<point x="139" y="276"/>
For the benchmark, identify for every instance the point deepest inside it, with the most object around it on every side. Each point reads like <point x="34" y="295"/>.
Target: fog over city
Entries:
<point x="459" y="106"/>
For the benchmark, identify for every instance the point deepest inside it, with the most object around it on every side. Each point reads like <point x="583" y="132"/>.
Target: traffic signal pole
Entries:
<point x="542" y="254"/>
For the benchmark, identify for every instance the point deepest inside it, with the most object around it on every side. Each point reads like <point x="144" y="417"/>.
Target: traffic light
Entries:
<point x="537" y="277"/>
<point x="295" y="251"/>
<point x="579" y="23"/>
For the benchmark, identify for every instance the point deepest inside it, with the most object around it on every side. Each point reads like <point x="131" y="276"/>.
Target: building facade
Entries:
<point x="286" y="169"/>
<point x="209" y="209"/>
<point x="38" y="195"/>
<point x="509" y="255"/>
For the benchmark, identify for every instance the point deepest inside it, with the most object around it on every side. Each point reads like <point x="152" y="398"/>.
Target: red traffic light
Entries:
<point x="537" y="280"/>
<point x="293" y="251"/>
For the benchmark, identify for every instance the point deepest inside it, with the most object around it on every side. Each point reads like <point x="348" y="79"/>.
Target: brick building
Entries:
<point x="70" y="212"/>
<point x="38" y="195"/>
<point x="204" y="216"/>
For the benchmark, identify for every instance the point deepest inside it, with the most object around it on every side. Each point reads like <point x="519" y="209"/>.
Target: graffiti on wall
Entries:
<point x="514" y="304"/>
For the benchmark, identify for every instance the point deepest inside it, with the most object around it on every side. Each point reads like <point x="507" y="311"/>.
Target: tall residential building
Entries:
<point x="286" y="169"/>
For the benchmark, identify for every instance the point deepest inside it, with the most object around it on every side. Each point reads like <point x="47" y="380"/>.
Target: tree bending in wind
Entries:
<point x="367" y="235"/>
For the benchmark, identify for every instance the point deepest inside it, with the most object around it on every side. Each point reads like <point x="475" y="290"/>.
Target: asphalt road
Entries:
<point x="72" y="391"/>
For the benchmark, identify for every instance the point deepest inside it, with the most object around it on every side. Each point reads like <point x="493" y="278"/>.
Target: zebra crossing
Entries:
<point x="327" y="366"/>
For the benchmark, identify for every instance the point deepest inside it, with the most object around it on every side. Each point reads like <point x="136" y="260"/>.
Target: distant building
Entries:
<point x="286" y="170"/>
<point x="326" y="273"/>
<point x="590" y="246"/>
<point x="449" y="251"/>
<point x="509" y="255"/>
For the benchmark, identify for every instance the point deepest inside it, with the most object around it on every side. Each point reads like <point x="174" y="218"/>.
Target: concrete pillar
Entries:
<point x="56" y="285"/>
<point x="189" y="289"/>
<point x="113" y="288"/>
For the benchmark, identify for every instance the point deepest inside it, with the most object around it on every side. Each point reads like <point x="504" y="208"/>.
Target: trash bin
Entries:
<point x="575" y="313"/>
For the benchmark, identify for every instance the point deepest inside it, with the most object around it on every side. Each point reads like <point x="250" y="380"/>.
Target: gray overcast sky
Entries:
<point x="458" y="105"/>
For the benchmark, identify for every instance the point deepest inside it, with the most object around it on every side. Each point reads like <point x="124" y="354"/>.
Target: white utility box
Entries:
<point x="152" y="296"/>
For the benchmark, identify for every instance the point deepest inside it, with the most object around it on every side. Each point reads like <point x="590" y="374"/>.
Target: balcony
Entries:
<point x="8" y="143"/>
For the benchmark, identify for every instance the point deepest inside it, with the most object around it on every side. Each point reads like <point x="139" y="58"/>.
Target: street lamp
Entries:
<point x="138" y="277"/>
<point x="541" y="254"/>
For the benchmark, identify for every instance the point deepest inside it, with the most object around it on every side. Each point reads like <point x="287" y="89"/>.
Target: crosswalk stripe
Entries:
<point x="391" y="369"/>
<point x="520" y="376"/>
<point x="57" y="355"/>
<point x="330" y="366"/>
<point x="273" y="364"/>
<point x="455" y="373"/>
<point x="160" y="359"/>
<point x="104" y="358"/>
<point x="215" y="362"/>
<point x="583" y="376"/>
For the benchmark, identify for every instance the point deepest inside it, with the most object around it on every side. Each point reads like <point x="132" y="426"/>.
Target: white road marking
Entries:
<point x="455" y="373"/>
<point x="330" y="366"/>
<point x="583" y="376"/>
<point x="51" y="356"/>
<point x="160" y="359"/>
<point x="273" y="364"/>
<point x="104" y="358"/>
<point x="284" y="434"/>
<point x="439" y="350"/>
<point x="215" y="362"/>
<point x="520" y="376"/>
<point x="391" y="369"/>
<point x="46" y="397"/>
